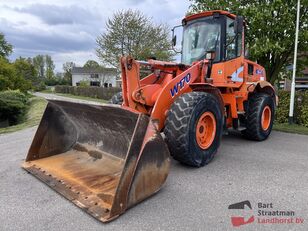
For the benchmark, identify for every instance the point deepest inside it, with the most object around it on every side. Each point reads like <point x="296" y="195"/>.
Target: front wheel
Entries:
<point x="193" y="128"/>
<point x="259" y="117"/>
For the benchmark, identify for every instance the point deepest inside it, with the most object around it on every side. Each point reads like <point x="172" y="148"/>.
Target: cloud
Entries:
<point x="55" y="15"/>
<point x="135" y="2"/>
<point x="53" y="39"/>
<point x="68" y="29"/>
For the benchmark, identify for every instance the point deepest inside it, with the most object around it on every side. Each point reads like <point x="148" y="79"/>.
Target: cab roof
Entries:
<point x="208" y="13"/>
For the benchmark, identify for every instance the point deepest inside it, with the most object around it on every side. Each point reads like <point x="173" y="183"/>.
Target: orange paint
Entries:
<point x="235" y="79"/>
<point x="206" y="130"/>
<point x="266" y="118"/>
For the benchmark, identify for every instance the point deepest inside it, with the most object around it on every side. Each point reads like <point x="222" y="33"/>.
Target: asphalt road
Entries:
<point x="274" y="171"/>
<point x="63" y="98"/>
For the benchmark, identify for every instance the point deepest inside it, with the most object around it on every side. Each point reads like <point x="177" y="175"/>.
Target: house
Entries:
<point x="101" y="77"/>
<point x="301" y="83"/>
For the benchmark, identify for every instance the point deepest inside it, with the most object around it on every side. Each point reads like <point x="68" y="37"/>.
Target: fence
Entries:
<point x="89" y="91"/>
<point x="300" y="84"/>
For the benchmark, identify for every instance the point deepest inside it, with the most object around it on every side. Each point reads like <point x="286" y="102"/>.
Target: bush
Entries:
<point x="300" y="107"/>
<point x="89" y="91"/>
<point x="282" y="111"/>
<point x="84" y="83"/>
<point x="303" y="117"/>
<point x="13" y="106"/>
<point x="40" y="87"/>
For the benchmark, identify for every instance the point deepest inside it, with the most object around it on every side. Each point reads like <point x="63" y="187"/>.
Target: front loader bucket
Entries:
<point x="104" y="159"/>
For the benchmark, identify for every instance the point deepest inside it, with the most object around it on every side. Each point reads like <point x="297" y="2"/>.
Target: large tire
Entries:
<point x="259" y="117"/>
<point x="117" y="98"/>
<point x="182" y="128"/>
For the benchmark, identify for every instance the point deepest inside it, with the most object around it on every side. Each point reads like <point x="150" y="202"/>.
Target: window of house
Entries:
<point x="94" y="76"/>
<point x="95" y="83"/>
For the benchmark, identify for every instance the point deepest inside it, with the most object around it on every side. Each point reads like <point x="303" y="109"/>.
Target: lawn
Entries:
<point x="33" y="117"/>
<point x="294" y="128"/>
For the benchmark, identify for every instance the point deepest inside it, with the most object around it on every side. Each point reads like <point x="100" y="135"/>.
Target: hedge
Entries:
<point x="94" y="92"/>
<point x="13" y="107"/>
<point x="300" y="107"/>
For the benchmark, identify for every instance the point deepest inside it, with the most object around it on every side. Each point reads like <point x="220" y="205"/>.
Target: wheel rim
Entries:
<point x="206" y="130"/>
<point x="266" y="118"/>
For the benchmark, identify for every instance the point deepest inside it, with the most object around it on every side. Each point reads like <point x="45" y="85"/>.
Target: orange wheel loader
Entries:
<point x="105" y="159"/>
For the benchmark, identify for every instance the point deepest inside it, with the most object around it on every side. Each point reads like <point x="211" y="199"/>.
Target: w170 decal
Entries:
<point x="179" y="85"/>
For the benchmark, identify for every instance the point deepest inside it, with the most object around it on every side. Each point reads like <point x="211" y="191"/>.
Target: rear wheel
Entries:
<point x="260" y="116"/>
<point x="193" y="128"/>
<point x="117" y="98"/>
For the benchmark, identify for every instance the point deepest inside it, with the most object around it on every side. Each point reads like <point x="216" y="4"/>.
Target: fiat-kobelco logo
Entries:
<point x="179" y="85"/>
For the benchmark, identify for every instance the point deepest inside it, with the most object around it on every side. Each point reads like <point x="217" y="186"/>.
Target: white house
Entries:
<point x="104" y="77"/>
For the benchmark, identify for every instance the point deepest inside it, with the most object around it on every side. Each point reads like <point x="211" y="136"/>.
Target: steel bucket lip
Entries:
<point x="77" y="197"/>
<point x="81" y="102"/>
<point x="92" y="103"/>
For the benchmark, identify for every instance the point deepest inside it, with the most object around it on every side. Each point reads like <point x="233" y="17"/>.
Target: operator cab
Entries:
<point x="216" y="32"/>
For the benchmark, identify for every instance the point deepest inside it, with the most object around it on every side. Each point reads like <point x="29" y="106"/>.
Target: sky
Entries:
<point x="67" y="30"/>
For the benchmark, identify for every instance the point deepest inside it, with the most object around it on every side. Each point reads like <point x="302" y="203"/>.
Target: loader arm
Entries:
<point x="154" y="94"/>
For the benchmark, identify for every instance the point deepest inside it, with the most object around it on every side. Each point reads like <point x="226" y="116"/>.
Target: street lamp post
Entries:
<point x="291" y="112"/>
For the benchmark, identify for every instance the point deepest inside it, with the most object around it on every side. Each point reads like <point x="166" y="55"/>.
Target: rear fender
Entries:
<point x="264" y="87"/>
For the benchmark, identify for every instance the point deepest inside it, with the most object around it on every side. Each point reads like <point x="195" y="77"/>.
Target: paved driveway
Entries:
<point x="63" y="98"/>
<point x="274" y="171"/>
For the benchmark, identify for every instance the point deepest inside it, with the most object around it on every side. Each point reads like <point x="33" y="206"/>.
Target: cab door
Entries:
<point x="231" y="70"/>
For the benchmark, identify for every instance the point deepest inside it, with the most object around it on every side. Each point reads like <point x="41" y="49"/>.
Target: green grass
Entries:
<point x="33" y="117"/>
<point x="47" y="91"/>
<point x="82" y="97"/>
<point x="294" y="128"/>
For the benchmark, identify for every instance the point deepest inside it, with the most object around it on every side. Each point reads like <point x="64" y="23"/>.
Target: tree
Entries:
<point x="91" y="64"/>
<point x="270" y="31"/>
<point x="132" y="33"/>
<point x="44" y="66"/>
<point x="5" y="48"/>
<point x="39" y="64"/>
<point x="49" y="67"/>
<point x="26" y="69"/>
<point x="10" y="78"/>
<point x="68" y="67"/>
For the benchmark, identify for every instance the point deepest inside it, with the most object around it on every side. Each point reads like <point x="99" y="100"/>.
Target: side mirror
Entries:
<point x="238" y="24"/>
<point x="174" y="40"/>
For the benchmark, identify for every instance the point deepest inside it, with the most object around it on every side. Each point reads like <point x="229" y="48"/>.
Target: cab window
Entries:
<point x="230" y="40"/>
